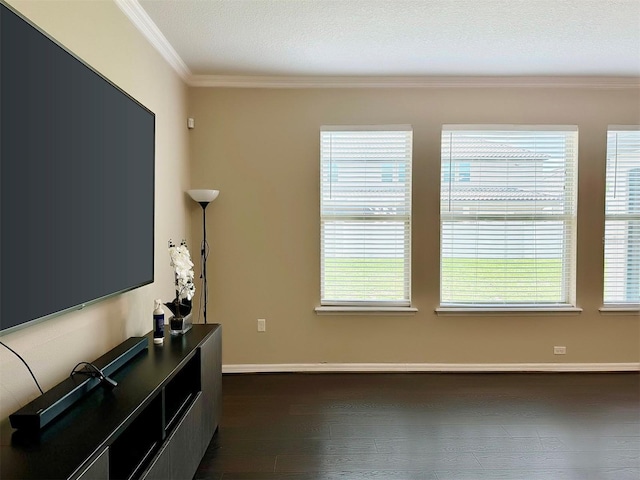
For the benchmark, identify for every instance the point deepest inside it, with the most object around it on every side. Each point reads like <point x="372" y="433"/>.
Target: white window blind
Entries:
<point x="508" y="216"/>
<point x="365" y="214"/>
<point x="622" y="217"/>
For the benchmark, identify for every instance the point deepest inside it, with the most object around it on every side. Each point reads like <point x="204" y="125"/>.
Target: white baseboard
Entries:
<point x="429" y="367"/>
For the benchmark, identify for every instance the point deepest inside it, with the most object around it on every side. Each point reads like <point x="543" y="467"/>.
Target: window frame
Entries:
<point x="390" y="173"/>
<point x="570" y="252"/>
<point x="611" y="306"/>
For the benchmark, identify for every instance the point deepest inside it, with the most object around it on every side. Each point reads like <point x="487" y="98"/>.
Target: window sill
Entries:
<point x="346" y="310"/>
<point x="620" y="309"/>
<point x="501" y="311"/>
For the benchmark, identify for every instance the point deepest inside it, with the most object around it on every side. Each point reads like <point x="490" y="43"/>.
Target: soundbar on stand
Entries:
<point x="52" y="403"/>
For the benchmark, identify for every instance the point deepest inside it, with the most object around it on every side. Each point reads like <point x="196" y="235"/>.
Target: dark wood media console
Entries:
<point x="156" y="424"/>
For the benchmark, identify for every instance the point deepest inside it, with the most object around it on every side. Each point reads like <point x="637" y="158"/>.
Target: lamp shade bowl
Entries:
<point x="203" y="196"/>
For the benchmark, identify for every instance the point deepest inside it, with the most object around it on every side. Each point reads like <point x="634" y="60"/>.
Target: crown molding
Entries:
<point x="146" y="26"/>
<point x="248" y="81"/>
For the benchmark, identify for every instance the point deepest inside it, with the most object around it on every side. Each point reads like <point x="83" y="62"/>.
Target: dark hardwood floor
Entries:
<point x="529" y="426"/>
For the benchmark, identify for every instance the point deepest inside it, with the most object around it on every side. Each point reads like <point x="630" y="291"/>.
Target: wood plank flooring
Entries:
<point x="526" y="426"/>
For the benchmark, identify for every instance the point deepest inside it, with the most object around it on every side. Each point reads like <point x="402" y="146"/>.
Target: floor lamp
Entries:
<point x="204" y="198"/>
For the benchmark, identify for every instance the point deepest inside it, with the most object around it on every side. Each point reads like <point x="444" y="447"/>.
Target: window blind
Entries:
<point x="508" y="215"/>
<point x="622" y="217"/>
<point x="365" y="214"/>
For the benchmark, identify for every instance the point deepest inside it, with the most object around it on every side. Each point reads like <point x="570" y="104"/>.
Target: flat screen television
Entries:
<point x="77" y="180"/>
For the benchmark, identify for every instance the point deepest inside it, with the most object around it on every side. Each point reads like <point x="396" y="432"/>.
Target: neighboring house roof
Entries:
<point x="498" y="194"/>
<point x="488" y="150"/>
<point x="469" y="194"/>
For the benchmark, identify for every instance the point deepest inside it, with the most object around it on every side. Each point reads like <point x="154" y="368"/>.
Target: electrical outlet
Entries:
<point x="262" y="325"/>
<point x="559" y="350"/>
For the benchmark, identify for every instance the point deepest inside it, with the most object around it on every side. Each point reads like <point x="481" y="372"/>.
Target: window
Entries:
<point x="508" y="215"/>
<point x="459" y="172"/>
<point x="622" y="217"/>
<point x="366" y="216"/>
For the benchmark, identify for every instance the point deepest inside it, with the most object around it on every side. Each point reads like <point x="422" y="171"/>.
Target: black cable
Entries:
<point x="205" y="287"/>
<point x="202" y="260"/>
<point x="25" y="364"/>
<point x="204" y="255"/>
<point x="92" y="371"/>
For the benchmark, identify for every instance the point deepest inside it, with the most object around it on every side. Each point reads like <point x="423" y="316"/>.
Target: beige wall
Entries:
<point x="260" y="147"/>
<point x="99" y="33"/>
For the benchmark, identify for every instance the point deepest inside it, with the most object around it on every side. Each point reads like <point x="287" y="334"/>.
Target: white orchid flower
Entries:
<point x="183" y="268"/>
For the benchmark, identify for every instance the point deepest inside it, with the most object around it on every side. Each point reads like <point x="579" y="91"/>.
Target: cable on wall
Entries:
<point x="25" y="364"/>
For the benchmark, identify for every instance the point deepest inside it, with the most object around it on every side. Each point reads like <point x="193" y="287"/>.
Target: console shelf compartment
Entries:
<point x="180" y="391"/>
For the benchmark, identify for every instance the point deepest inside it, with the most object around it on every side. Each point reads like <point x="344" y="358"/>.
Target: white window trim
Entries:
<point x="626" y="309"/>
<point x="376" y="306"/>
<point x="510" y="309"/>
<point x="612" y="308"/>
<point x="373" y="310"/>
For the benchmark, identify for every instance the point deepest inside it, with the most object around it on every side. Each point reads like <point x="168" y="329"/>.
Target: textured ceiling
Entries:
<point x="402" y="37"/>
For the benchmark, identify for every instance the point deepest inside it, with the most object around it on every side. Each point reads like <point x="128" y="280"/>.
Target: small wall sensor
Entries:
<point x="191" y="123"/>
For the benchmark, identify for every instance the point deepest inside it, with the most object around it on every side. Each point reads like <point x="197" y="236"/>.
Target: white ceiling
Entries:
<point x="400" y="37"/>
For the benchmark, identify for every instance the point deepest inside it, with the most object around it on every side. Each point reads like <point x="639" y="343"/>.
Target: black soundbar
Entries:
<point x="52" y="403"/>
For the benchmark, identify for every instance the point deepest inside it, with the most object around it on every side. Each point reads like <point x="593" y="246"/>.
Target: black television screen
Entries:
<point x="77" y="180"/>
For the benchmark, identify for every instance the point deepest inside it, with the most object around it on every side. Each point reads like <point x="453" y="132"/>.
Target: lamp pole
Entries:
<point x="203" y="254"/>
<point x="204" y="198"/>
